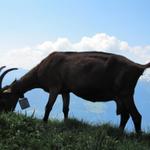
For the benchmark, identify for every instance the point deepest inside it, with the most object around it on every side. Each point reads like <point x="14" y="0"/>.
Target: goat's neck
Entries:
<point x="27" y="82"/>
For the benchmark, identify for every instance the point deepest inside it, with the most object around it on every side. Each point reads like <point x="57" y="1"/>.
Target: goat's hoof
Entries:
<point x="65" y="120"/>
<point x="45" y="120"/>
<point x="139" y="133"/>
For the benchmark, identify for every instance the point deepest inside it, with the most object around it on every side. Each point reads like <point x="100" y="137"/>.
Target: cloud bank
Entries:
<point x="28" y="57"/>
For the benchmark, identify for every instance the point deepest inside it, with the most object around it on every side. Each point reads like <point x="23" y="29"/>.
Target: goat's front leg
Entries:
<point x="49" y="105"/>
<point x="66" y="100"/>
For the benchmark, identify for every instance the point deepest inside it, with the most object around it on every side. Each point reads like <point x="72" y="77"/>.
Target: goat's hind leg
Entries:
<point x="123" y="112"/>
<point x="124" y="117"/>
<point x="136" y="116"/>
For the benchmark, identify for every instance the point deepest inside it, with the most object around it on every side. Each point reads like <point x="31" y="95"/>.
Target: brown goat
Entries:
<point x="94" y="76"/>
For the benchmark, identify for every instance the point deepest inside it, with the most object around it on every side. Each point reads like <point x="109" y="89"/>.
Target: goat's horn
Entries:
<point x="3" y="75"/>
<point x="1" y="68"/>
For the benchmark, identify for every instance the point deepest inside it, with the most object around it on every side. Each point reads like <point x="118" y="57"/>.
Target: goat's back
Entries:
<point x="75" y="71"/>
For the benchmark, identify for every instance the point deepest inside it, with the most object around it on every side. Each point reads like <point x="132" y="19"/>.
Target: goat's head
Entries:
<point x="8" y="99"/>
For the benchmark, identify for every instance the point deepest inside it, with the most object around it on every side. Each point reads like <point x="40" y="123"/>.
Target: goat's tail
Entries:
<point x="146" y="65"/>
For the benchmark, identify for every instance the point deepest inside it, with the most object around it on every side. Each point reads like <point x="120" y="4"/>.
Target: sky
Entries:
<point x="30" y="22"/>
<point x="29" y="27"/>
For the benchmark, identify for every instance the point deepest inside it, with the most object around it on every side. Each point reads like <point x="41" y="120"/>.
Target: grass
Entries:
<point x="19" y="132"/>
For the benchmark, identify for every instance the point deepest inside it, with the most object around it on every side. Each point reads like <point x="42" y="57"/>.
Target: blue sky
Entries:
<point x="29" y="22"/>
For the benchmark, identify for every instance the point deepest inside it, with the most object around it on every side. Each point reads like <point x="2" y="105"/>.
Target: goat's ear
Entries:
<point x="7" y="90"/>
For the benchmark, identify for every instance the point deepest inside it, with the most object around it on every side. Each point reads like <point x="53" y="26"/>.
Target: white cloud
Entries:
<point x="28" y="57"/>
<point x="60" y="44"/>
<point x="23" y="58"/>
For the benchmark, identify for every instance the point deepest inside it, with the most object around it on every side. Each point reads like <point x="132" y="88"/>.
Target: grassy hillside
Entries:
<point x="18" y="132"/>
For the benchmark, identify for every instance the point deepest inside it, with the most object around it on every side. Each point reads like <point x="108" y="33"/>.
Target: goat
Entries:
<point x="93" y="76"/>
